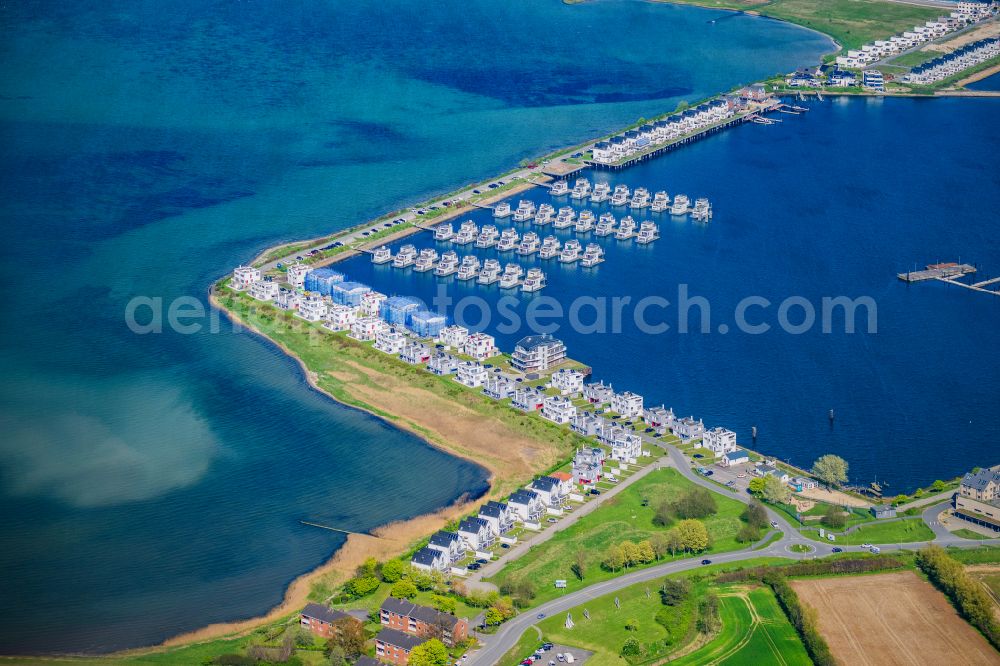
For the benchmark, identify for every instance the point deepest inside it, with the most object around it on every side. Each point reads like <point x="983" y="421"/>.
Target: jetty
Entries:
<point x="951" y="273"/>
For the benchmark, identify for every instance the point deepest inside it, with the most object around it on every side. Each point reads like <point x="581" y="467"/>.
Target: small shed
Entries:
<point x="883" y="511"/>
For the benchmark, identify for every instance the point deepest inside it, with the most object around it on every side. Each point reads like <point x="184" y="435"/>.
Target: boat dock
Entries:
<point x="952" y="273"/>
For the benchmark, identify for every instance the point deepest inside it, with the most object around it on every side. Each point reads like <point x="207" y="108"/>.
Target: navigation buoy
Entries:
<point x="753" y="432"/>
<point x="831" y="416"/>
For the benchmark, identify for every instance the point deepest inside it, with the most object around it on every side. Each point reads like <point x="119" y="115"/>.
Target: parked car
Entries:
<point x="830" y="537"/>
<point x="836" y="549"/>
<point x="595" y="491"/>
<point x="706" y="561"/>
<point x="866" y="545"/>
<point x="540" y="616"/>
<point x="741" y="475"/>
<point x="482" y="561"/>
<point x="774" y="523"/>
<point x="552" y="520"/>
<point x="709" y="472"/>
<point x="875" y="550"/>
<point x="505" y="546"/>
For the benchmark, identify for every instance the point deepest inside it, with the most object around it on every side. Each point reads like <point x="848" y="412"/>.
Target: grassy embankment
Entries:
<point x="626" y="517"/>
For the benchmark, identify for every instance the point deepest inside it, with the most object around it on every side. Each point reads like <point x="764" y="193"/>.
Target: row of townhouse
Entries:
<point x="955" y="62"/>
<point x="406" y="625"/>
<point x="966" y="13"/>
<point x="661" y="131"/>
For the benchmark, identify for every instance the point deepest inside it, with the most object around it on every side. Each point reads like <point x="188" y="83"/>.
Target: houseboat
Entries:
<point x="502" y="209"/>
<point x="581" y="190"/>
<point x="640" y="198"/>
<point x="405" y="257"/>
<point x="550" y="248"/>
<point x="570" y="252"/>
<point x="602" y="192"/>
<point x="447" y="265"/>
<point x="545" y="214"/>
<point x="605" y="225"/>
<point x="425" y="260"/>
<point x="382" y="255"/>
<point x="469" y="268"/>
<point x="466" y="234"/>
<point x="490" y="272"/>
<point x="487" y="236"/>
<point x="620" y="196"/>
<point x="511" y="276"/>
<point x="565" y="218"/>
<point x="660" y="202"/>
<point x="702" y="210"/>
<point x="525" y="211"/>
<point x="444" y="232"/>
<point x="529" y="243"/>
<point x="648" y="232"/>
<point x="681" y="205"/>
<point x="585" y="223"/>
<point x="593" y="255"/>
<point x="508" y="240"/>
<point x="534" y="280"/>
<point x="560" y="188"/>
<point x="626" y="229"/>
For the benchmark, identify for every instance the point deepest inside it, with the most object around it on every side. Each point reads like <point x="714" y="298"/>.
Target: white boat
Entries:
<point x="487" y="236"/>
<point x="605" y="225"/>
<point x="447" y="265"/>
<point x="529" y="243"/>
<point x="585" y="223"/>
<point x="660" y="202"/>
<point x="525" y="211"/>
<point x="620" y="196"/>
<point x="648" y="232"/>
<point x="559" y="188"/>
<point x="405" y="257"/>
<point x="508" y="240"/>
<point x="534" y="280"/>
<point x="382" y="255"/>
<point x="545" y="214"/>
<point x="511" y="276"/>
<point x="469" y="268"/>
<point x="681" y="205"/>
<point x="581" y="190"/>
<point x="626" y="229"/>
<point x="550" y="248"/>
<point x="570" y="252"/>
<point x="602" y="192"/>
<point x="425" y="260"/>
<point x="444" y="232"/>
<point x="702" y="210"/>
<point x="565" y="218"/>
<point x="490" y="272"/>
<point x="502" y="209"/>
<point x="640" y="198"/>
<point x="593" y="255"/>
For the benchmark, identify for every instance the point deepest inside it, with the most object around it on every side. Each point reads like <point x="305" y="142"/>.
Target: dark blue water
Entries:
<point x="152" y="484"/>
<point x="989" y="83"/>
<point x="832" y="203"/>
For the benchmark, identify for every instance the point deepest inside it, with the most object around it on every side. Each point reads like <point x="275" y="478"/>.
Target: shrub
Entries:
<point x="674" y="591"/>
<point x="631" y="648"/>
<point x="403" y="589"/>
<point x="834" y="517"/>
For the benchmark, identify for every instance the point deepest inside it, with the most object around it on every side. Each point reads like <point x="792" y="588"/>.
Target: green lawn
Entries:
<point x="622" y="517"/>
<point x="913" y="59"/>
<point x="969" y="534"/>
<point x="907" y="530"/>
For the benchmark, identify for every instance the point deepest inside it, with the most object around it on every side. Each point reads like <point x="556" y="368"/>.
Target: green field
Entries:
<point x="907" y="530"/>
<point x="622" y="517"/>
<point x="913" y="59"/>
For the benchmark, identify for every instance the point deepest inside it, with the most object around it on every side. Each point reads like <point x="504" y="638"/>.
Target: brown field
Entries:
<point x="894" y="618"/>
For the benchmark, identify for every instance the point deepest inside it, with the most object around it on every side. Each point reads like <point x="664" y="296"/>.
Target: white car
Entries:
<point x="866" y="545"/>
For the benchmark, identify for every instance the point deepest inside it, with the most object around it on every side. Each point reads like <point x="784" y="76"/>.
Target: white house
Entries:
<point x="549" y="490"/>
<point x="288" y="299"/>
<point x="528" y="399"/>
<point x="659" y="417"/>
<point x="770" y="470"/>
<point x="498" y="515"/>
<point x="499" y="388"/>
<point x="567" y="381"/>
<point x="243" y="277"/>
<point x="626" y="446"/>
<point x="480" y="346"/>
<point x="443" y="364"/>
<point x="429" y="559"/>
<point x="628" y="404"/>
<point x="296" y="275"/>
<point x="471" y="374"/>
<point x="598" y="393"/>
<point x="534" y="353"/>
<point x="586" y="423"/>
<point x="719" y="440"/>
<point x="737" y="457"/>
<point x="313" y="307"/>
<point x="687" y="428"/>
<point x="603" y="152"/>
<point x="263" y="290"/>
<point x="448" y="543"/>
<point x="558" y="409"/>
<point x="340" y="317"/>
<point x="390" y="340"/>
<point x="365" y="328"/>
<point x="453" y="337"/>
<point x="476" y="533"/>
<point x="415" y="353"/>
<point x="526" y="505"/>
<point x="371" y="303"/>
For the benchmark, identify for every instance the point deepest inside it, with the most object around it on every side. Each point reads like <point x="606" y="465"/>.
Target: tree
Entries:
<point x="443" y="603"/>
<point x="393" y="570"/>
<point x="579" y="567"/>
<point x="708" y="614"/>
<point x="693" y="535"/>
<point x="696" y="503"/>
<point x="660" y="544"/>
<point x="748" y="534"/>
<point x="429" y="653"/>
<point x="756" y="486"/>
<point x="755" y="515"/>
<point x="336" y="657"/>
<point x="664" y="514"/>
<point x="361" y="585"/>
<point x="632" y="554"/>
<point x="368" y="567"/>
<point x="646" y="553"/>
<point x="404" y="589"/>
<point x="632" y="625"/>
<point x="831" y="470"/>
<point x="834" y="517"/>
<point x="348" y="637"/>
<point x="938" y="485"/>
<point x="674" y="591"/>
<point x="775" y="491"/>
<point x="614" y="558"/>
<point x="493" y="617"/>
<point x="674" y="542"/>
<point x="631" y="648"/>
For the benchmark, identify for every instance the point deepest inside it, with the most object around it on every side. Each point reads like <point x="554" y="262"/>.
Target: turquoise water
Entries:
<point x="152" y="484"/>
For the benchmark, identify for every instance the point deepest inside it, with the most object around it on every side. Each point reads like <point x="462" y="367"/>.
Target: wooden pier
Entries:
<point x="951" y="273"/>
